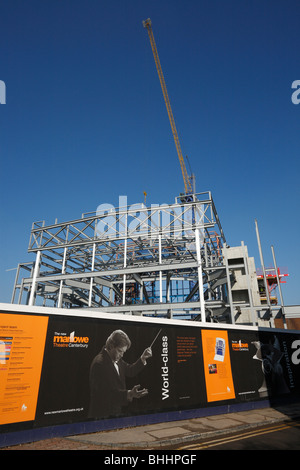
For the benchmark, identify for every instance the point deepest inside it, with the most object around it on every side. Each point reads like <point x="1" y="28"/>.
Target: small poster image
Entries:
<point x="22" y="342"/>
<point x="217" y="365"/>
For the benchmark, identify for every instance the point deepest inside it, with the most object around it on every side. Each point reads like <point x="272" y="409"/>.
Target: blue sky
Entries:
<point x="85" y="121"/>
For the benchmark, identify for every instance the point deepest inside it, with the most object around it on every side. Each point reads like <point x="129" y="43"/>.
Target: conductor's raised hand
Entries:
<point x="146" y="354"/>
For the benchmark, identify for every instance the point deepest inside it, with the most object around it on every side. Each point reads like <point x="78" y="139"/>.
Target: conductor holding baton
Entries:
<point x="108" y="372"/>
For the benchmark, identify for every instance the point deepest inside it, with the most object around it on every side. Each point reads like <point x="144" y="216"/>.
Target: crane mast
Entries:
<point x="187" y="184"/>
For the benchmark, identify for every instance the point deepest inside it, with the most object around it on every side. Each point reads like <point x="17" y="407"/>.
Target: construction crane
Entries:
<point x="187" y="183"/>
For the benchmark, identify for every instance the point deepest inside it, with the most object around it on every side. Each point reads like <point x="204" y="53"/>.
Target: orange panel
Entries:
<point x="217" y="365"/>
<point x="22" y="343"/>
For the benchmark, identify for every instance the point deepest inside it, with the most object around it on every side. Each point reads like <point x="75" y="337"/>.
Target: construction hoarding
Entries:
<point x="54" y="368"/>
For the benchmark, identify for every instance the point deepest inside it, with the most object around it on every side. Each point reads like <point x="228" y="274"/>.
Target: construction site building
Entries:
<point x="169" y="261"/>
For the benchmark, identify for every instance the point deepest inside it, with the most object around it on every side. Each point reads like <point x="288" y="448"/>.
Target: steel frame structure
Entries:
<point x="165" y="260"/>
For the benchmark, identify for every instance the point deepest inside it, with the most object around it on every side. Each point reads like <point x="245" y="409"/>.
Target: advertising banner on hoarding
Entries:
<point x="57" y="369"/>
<point x="217" y="365"/>
<point x="22" y="341"/>
<point x="80" y="379"/>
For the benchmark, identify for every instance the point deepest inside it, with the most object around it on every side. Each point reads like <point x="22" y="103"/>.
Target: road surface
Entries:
<point x="281" y="436"/>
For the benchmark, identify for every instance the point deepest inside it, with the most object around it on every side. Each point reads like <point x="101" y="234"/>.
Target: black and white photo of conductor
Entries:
<point x="108" y="372"/>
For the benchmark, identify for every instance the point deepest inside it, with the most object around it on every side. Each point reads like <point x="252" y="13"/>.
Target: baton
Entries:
<point x="155" y="338"/>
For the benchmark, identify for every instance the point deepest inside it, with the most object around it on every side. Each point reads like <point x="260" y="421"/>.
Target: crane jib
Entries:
<point x="187" y="184"/>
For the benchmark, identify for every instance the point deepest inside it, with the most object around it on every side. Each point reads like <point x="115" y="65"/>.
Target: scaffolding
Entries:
<point x="274" y="277"/>
<point x="164" y="260"/>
